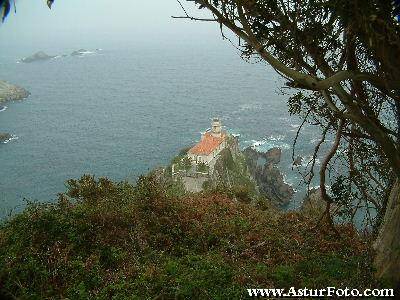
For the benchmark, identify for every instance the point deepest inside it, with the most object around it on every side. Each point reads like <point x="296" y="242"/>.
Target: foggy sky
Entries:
<point x="101" y="23"/>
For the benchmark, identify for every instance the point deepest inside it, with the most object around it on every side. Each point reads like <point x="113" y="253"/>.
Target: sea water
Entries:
<point x="120" y="112"/>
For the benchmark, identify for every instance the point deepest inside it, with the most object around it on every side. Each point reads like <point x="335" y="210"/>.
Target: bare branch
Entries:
<point x="194" y="19"/>
<point x="322" y="172"/>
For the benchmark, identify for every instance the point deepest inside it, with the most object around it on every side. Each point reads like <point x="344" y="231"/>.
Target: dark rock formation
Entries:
<point x="38" y="56"/>
<point x="298" y="161"/>
<point x="10" y="92"/>
<point x="263" y="168"/>
<point x="273" y="156"/>
<point x="271" y="183"/>
<point x="4" y="137"/>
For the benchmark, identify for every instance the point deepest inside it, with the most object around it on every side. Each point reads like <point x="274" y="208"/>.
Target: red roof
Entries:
<point x="207" y="144"/>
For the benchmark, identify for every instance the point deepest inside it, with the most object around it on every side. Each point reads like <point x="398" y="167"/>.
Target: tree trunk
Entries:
<point x="387" y="244"/>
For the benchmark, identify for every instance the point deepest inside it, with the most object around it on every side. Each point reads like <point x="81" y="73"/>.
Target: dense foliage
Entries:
<point x="105" y="240"/>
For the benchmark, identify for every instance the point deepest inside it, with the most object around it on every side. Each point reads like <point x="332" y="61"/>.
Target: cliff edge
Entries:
<point x="10" y="92"/>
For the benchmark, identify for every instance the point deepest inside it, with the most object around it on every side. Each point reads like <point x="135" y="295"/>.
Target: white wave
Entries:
<point x="247" y="107"/>
<point x="254" y="106"/>
<point x="205" y="131"/>
<point x="290" y="182"/>
<point x="3" y="108"/>
<point x="316" y="187"/>
<point x="255" y="143"/>
<point x="268" y="143"/>
<point x="12" y="138"/>
<point x="277" y="137"/>
<point x="285" y="180"/>
<point x="295" y="125"/>
<point x="83" y="53"/>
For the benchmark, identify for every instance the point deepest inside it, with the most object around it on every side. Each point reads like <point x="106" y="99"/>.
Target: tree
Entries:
<point x="186" y="163"/>
<point x="341" y="57"/>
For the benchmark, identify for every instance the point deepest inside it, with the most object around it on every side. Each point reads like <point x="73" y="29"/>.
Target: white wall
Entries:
<point x="207" y="158"/>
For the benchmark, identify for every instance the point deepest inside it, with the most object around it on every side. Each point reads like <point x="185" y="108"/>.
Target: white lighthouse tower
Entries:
<point x="216" y="128"/>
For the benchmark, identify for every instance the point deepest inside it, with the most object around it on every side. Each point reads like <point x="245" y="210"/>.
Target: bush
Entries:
<point x="202" y="167"/>
<point x="104" y="240"/>
<point x="284" y="276"/>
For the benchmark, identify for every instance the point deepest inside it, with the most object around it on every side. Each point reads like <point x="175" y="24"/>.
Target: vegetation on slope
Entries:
<point x="105" y="240"/>
<point x="231" y="176"/>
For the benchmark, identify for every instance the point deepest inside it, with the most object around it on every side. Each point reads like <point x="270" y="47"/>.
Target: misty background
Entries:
<point x="76" y="24"/>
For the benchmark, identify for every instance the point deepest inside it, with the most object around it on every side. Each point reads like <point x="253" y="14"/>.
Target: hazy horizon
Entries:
<point x="101" y="24"/>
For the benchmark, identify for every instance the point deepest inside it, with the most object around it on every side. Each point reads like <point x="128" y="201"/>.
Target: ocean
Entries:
<point x="119" y="112"/>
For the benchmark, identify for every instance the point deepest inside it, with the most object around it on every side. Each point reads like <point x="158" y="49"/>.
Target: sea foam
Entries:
<point x="268" y="143"/>
<point x="12" y="138"/>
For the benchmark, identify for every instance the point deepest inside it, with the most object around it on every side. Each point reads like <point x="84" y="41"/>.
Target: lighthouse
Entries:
<point x="211" y="144"/>
<point x="216" y="128"/>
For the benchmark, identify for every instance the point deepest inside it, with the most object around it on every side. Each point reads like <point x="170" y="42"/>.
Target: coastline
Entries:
<point x="10" y="92"/>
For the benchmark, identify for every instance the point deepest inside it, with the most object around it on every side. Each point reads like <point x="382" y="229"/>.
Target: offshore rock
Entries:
<point x="255" y="158"/>
<point x="9" y="92"/>
<point x="270" y="181"/>
<point x="4" y="137"/>
<point x="273" y="156"/>
<point x="38" y="56"/>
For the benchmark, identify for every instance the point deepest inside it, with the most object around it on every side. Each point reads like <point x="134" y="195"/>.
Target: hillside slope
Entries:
<point x="105" y="240"/>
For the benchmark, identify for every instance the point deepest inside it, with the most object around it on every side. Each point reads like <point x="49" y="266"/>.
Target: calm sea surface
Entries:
<point x="120" y="112"/>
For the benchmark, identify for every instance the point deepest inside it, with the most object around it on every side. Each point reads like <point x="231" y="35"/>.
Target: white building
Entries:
<point x="211" y="144"/>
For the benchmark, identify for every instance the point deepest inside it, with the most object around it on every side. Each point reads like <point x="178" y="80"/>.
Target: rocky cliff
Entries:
<point x="4" y="137"/>
<point x="10" y="92"/>
<point x="231" y="173"/>
<point x="38" y="56"/>
<point x="263" y="167"/>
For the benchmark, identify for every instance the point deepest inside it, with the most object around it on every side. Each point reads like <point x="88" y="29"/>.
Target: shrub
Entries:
<point x="202" y="167"/>
<point x="105" y="240"/>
